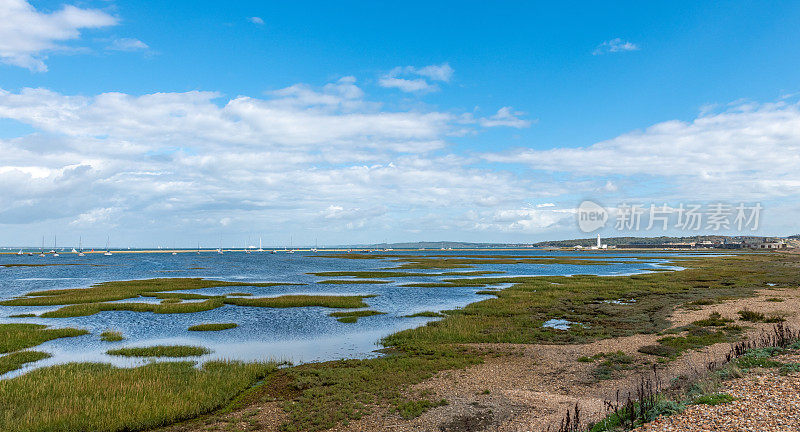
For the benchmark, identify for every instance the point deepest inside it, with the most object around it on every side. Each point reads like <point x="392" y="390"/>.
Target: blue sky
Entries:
<point x="175" y="122"/>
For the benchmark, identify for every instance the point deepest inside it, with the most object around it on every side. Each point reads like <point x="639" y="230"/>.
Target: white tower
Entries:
<point x="599" y="244"/>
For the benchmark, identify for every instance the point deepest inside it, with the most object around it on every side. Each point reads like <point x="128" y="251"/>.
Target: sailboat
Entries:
<point x="260" y="249"/>
<point x="108" y="251"/>
<point x="20" y="252"/>
<point x="55" y="240"/>
<point x="198" y="248"/>
<point x="80" y="247"/>
<point x="41" y="255"/>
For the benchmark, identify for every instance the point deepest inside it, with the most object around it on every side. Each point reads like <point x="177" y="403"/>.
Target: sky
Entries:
<point x="177" y="123"/>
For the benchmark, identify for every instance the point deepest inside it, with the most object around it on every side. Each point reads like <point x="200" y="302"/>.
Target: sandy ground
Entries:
<point x="530" y="387"/>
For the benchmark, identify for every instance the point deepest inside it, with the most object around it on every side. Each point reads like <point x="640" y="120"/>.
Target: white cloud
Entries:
<point x="127" y="44"/>
<point x="615" y="45"/>
<point x="27" y="35"/>
<point x="323" y="157"/>
<point x="749" y="150"/>
<point x="417" y="80"/>
<point x="505" y="117"/>
<point x="256" y="20"/>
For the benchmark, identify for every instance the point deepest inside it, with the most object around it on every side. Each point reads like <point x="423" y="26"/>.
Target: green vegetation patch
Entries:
<point x="714" y="399"/>
<point x="14" y="337"/>
<point x="714" y="320"/>
<point x="213" y="326"/>
<point x="24" y="315"/>
<point x="160" y="351"/>
<point x="398" y="274"/>
<point x="328" y="301"/>
<point x="748" y="315"/>
<point x="426" y="314"/>
<point x="351" y="317"/>
<point x="320" y="396"/>
<point x="611" y="363"/>
<point x="698" y="337"/>
<point x="352" y="281"/>
<point x="286" y="301"/>
<point x="111" y="336"/>
<point x="413" y="409"/>
<point x="121" y="290"/>
<point x="93" y="396"/>
<point x="14" y="361"/>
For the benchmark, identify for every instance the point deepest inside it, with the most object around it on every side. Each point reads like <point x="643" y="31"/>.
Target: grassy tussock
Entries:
<point x="353" y="281"/>
<point x="111" y="336"/>
<point x="100" y="397"/>
<point x="351" y="317"/>
<point x="120" y="290"/>
<point x="426" y="314"/>
<point x="163" y="308"/>
<point x="14" y="361"/>
<point x="14" y="337"/>
<point x="339" y="302"/>
<point x="160" y="351"/>
<point x="213" y="326"/>
<point x="329" y="301"/>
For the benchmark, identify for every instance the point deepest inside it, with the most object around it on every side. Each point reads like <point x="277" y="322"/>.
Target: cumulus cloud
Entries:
<point x="506" y="117"/>
<point x="748" y="150"/>
<point x="127" y="44"/>
<point x="615" y="45"/>
<point x="27" y="35"/>
<point x="410" y="79"/>
<point x="256" y="20"/>
<point x="321" y="156"/>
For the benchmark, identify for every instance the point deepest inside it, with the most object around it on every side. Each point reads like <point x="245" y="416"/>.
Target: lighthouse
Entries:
<point x="599" y="244"/>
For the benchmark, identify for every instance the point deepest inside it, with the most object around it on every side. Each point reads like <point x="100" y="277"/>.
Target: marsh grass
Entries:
<point x="111" y="336"/>
<point x="121" y="290"/>
<point x="426" y="314"/>
<point x="352" y="281"/>
<point x="213" y="326"/>
<point x="286" y="301"/>
<point x="320" y="396"/>
<point x="351" y="317"/>
<point x="419" y="262"/>
<point x="14" y="361"/>
<point x="398" y="274"/>
<point x="92" y="396"/>
<point x="160" y="351"/>
<point x="24" y="315"/>
<point x="14" y="337"/>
